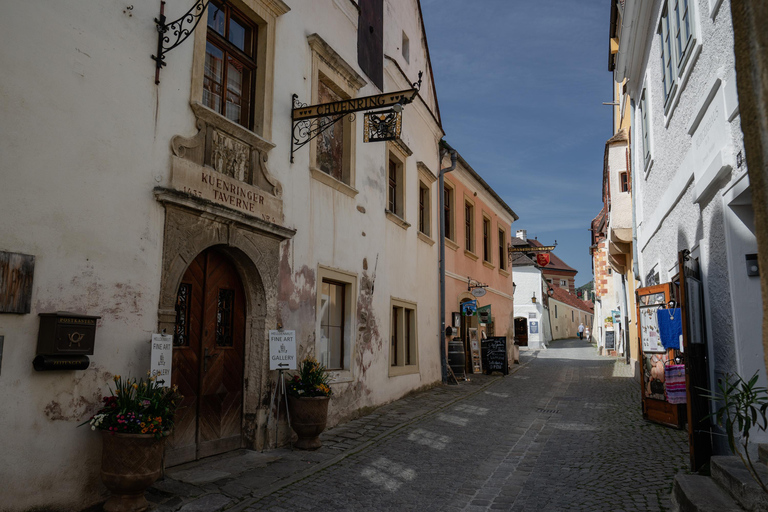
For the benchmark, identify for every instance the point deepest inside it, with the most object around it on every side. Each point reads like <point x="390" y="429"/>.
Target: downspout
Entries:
<point x="444" y="148"/>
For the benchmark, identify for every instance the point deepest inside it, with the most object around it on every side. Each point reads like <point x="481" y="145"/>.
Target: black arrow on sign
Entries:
<point x="161" y="381"/>
<point x="283" y="364"/>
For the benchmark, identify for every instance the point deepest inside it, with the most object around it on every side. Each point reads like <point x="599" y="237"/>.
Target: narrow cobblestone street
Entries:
<point x="563" y="432"/>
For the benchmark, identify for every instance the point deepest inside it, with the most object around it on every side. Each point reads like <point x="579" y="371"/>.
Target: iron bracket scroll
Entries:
<point x="170" y="35"/>
<point x="309" y="121"/>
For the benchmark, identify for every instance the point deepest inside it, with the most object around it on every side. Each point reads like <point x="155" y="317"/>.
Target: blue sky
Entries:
<point x="521" y="85"/>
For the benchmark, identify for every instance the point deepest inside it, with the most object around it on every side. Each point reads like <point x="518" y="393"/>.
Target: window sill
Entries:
<point x="471" y="255"/>
<point x="425" y="238"/>
<point x="489" y="265"/>
<point x="451" y="244"/>
<point x="504" y="272"/>
<point x="397" y="219"/>
<point x="397" y="371"/>
<point x="332" y="182"/>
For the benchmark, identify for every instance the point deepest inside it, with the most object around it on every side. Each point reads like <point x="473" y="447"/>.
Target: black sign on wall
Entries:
<point x="370" y="40"/>
<point x="610" y="341"/>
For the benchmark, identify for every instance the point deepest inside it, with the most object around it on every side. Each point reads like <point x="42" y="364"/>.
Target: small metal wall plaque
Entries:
<point x="382" y="125"/>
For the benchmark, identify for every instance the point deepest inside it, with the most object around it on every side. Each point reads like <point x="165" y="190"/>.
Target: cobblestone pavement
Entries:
<point x="563" y="432"/>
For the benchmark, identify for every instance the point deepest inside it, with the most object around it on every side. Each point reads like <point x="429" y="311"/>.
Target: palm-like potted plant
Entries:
<point x="308" y="396"/>
<point x="134" y="420"/>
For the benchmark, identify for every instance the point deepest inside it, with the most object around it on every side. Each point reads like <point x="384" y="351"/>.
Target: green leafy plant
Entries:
<point x="311" y="380"/>
<point x="743" y="406"/>
<point x="137" y="407"/>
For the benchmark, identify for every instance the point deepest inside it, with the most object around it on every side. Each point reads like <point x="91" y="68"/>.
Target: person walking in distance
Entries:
<point x="581" y="331"/>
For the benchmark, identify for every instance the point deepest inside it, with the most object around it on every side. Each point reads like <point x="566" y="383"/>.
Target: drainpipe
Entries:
<point x="444" y="148"/>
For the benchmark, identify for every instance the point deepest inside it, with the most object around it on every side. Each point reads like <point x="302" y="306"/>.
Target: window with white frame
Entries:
<point x="403" y="353"/>
<point x="563" y="283"/>
<point x="644" y="128"/>
<point x="424" y="208"/>
<point x="676" y="31"/>
<point x="336" y="296"/>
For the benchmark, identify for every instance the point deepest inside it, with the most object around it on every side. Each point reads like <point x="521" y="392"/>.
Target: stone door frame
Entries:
<point x="192" y="226"/>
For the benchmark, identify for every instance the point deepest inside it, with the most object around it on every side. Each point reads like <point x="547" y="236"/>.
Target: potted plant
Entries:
<point x="308" y="396"/>
<point x="134" y="420"/>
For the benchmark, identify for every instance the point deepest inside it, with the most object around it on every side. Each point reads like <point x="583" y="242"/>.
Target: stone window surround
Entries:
<point x="489" y="249"/>
<point x="399" y="153"/>
<point x="503" y="264"/>
<point x="396" y="371"/>
<point x="645" y="98"/>
<point x="350" y="330"/>
<point x="264" y="14"/>
<point x="470" y="251"/>
<point x="330" y="68"/>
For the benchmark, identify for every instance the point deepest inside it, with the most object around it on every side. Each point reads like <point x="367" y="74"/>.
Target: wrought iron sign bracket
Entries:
<point x="309" y="121"/>
<point x="477" y="284"/>
<point x="178" y="30"/>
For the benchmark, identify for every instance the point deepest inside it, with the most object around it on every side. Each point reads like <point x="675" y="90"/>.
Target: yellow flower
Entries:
<point x="117" y="378"/>
<point x="135" y="386"/>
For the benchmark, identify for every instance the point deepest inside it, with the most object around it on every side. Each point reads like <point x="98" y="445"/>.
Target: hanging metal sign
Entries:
<point x="478" y="292"/>
<point x="382" y="125"/>
<point x="309" y="121"/>
<point x="344" y="107"/>
<point x="542" y="259"/>
<point x="529" y="248"/>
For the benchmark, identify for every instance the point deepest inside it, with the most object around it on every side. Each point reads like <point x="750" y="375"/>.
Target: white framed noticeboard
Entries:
<point x="282" y="350"/>
<point x="161" y="359"/>
<point x="649" y="327"/>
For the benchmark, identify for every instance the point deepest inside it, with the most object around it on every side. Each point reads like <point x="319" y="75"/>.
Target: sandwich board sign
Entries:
<point x="282" y="350"/>
<point x="161" y="359"/>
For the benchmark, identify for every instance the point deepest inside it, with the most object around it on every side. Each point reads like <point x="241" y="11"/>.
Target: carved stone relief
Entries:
<point x="229" y="156"/>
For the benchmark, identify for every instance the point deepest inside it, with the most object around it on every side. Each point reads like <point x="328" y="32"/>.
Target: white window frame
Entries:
<point x="349" y="279"/>
<point x="678" y="54"/>
<point x="644" y="112"/>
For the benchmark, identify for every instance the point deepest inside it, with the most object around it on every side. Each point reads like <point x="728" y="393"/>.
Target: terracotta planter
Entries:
<point x="308" y="418"/>
<point x="130" y="463"/>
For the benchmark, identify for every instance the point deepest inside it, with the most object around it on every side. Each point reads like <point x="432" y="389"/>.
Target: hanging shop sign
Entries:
<point x="530" y="248"/>
<point x="469" y="307"/>
<point x="542" y="259"/>
<point x="309" y="121"/>
<point x="484" y="314"/>
<point x="478" y="292"/>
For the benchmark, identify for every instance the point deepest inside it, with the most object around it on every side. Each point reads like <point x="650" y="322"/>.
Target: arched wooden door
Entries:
<point x="521" y="331"/>
<point x="208" y="359"/>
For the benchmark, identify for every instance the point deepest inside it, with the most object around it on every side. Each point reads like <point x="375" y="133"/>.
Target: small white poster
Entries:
<point x="162" y="359"/>
<point x="282" y="350"/>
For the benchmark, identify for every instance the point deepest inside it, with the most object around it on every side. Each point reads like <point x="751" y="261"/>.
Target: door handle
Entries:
<point x="206" y="357"/>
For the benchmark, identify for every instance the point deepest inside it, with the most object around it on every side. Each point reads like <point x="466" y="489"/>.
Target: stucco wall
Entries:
<point x="529" y="283"/>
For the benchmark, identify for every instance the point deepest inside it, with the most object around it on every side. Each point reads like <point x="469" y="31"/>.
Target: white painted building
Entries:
<point x="689" y="179"/>
<point x="133" y="197"/>
<point x="532" y="322"/>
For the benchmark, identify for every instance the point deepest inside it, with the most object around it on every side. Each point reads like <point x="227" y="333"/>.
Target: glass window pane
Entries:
<point x="237" y="34"/>
<point x="216" y="18"/>
<point x="330" y="143"/>
<point x="234" y="91"/>
<point x="212" y="82"/>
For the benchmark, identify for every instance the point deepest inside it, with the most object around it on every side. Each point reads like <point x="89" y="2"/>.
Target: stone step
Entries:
<point x="695" y="493"/>
<point x="730" y="474"/>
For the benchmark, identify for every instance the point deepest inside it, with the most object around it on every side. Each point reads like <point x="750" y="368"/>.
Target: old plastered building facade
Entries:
<point x="690" y="183"/>
<point x="176" y="207"/>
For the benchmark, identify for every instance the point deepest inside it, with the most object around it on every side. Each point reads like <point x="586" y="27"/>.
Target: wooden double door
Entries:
<point x="208" y="359"/>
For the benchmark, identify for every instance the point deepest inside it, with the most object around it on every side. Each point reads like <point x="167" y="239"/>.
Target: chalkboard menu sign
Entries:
<point x="494" y="353"/>
<point x="610" y="341"/>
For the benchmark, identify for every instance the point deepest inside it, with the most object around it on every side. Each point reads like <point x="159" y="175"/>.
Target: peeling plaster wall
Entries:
<point x="82" y="146"/>
<point x="352" y="233"/>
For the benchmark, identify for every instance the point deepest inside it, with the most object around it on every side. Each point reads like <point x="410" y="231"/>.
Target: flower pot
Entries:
<point x="130" y="463"/>
<point x="308" y="418"/>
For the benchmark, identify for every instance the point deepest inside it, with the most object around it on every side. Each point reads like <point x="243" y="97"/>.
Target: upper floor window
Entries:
<point x="644" y="124"/>
<point x="230" y="64"/>
<point x="469" y="231"/>
<point x="424" y="220"/>
<point x="677" y="43"/>
<point x="502" y="250"/>
<point x="624" y="181"/>
<point x="448" y="212"/>
<point x="486" y="239"/>
<point x="406" y="48"/>
<point x="330" y="143"/>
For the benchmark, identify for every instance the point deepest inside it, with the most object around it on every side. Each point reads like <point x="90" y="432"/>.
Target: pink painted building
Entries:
<point x="478" y="227"/>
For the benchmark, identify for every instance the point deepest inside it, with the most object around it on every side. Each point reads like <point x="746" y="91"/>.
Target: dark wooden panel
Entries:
<point x="16" y="272"/>
<point x="370" y="40"/>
